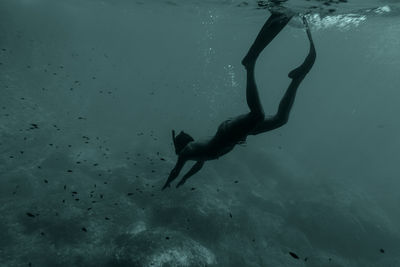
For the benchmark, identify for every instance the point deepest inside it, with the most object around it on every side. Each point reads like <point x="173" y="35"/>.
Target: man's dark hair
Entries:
<point x="181" y="140"/>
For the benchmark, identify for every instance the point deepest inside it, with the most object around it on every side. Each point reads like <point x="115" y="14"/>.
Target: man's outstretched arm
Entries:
<point x="175" y="172"/>
<point x="196" y="167"/>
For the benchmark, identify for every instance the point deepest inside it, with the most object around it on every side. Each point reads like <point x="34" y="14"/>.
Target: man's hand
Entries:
<point x="181" y="182"/>
<point x="165" y="186"/>
<point x="175" y="172"/>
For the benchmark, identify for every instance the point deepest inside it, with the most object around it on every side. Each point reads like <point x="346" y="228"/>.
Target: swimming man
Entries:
<point x="234" y="131"/>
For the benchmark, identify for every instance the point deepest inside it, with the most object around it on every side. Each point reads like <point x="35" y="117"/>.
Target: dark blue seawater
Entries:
<point x="90" y="91"/>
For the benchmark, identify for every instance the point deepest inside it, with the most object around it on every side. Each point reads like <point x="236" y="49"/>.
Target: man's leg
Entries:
<point x="275" y="23"/>
<point x="252" y="97"/>
<point x="297" y="75"/>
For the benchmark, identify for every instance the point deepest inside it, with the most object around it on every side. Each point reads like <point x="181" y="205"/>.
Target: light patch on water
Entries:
<point x="382" y="10"/>
<point x="195" y="255"/>
<point x="344" y="22"/>
<point x="136" y="228"/>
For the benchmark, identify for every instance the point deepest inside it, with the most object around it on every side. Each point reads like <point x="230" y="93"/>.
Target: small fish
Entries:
<point x="294" y="255"/>
<point x="382" y="250"/>
<point x="30" y="214"/>
<point x="84" y="229"/>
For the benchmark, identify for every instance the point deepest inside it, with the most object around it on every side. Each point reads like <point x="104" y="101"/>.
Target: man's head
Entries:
<point x="180" y="141"/>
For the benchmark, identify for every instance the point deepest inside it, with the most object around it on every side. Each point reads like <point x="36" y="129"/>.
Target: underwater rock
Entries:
<point x="160" y="247"/>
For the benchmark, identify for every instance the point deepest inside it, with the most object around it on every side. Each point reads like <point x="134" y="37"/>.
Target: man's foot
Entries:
<point x="305" y="22"/>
